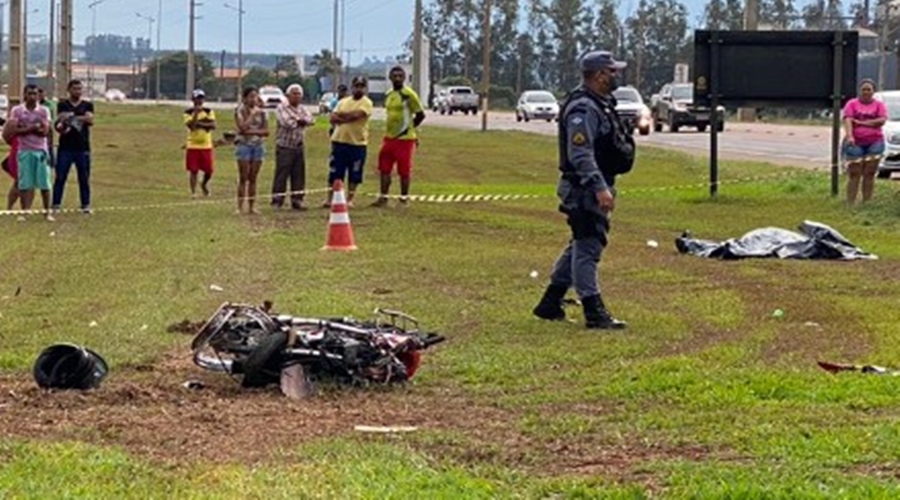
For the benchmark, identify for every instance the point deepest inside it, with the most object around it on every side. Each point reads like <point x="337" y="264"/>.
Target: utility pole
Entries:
<point x="486" y="76"/>
<point x="417" y="49"/>
<point x="334" y="48"/>
<point x="51" y="50"/>
<point x="16" y="77"/>
<point x="882" y="45"/>
<point x="150" y="22"/>
<point x="2" y="52"/>
<point x="93" y="6"/>
<point x="348" y="52"/>
<point x="64" y="73"/>
<point x="191" y="69"/>
<point x="240" y="10"/>
<point x="159" y="14"/>
<point x="751" y="23"/>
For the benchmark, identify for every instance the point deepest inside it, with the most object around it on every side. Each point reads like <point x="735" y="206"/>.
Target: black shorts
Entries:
<point x="347" y="160"/>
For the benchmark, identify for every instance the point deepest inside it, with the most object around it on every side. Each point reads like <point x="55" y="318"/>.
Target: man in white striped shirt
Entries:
<point x="290" y="160"/>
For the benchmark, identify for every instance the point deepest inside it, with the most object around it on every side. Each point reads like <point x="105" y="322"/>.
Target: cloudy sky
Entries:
<point x="285" y="26"/>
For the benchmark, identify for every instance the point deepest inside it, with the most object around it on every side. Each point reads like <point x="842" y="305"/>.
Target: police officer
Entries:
<point x="594" y="147"/>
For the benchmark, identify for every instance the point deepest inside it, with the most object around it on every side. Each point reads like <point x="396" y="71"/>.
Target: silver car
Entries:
<point x="890" y="162"/>
<point x="537" y="105"/>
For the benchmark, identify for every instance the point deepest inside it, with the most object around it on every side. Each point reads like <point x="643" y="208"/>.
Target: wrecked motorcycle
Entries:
<point x="266" y="348"/>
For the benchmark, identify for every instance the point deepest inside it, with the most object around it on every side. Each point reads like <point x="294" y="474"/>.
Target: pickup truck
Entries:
<point x="453" y="99"/>
<point x="675" y="108"/>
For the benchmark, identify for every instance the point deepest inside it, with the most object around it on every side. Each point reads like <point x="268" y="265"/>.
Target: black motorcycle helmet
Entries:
<point x="68" y="366"/>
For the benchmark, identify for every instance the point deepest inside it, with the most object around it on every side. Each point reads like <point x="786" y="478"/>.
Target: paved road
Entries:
<point x="796" y="145"/>
<point x="800" y="145"/>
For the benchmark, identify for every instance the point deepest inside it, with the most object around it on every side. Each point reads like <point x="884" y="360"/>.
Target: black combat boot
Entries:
<point x="597" y="317"/>
<point x="550" y="307"/>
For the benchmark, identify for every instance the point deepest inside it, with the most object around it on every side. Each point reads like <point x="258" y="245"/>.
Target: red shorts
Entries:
<point x="10" y="164"/>
<point x="199" y="160"/>
<point x="399" y="151"/>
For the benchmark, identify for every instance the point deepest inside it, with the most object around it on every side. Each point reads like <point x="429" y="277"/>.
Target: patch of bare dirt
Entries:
<point x="145" y="410"/>
<point x="186" y="327"/>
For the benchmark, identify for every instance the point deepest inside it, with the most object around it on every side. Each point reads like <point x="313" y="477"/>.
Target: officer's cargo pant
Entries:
<point x="578" y="263"/>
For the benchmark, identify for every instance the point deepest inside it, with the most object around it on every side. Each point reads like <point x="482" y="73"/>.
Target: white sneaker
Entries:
<point x="51" y="218"/>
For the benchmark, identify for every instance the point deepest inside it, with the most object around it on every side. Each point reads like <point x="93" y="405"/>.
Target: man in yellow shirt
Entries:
<point x="200" y="121"/>
<point x="350" y="139"/>
<point x="404" y="115"/>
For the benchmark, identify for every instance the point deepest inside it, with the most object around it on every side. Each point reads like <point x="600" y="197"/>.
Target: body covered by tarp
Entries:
<point x="815" y="241"/>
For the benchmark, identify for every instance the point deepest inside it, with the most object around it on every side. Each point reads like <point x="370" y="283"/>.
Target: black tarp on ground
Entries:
<point x="815" y="241"/>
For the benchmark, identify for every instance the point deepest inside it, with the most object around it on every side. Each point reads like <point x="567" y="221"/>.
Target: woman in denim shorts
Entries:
<point x="864" y="116"/>
<point x="252" y="129"/>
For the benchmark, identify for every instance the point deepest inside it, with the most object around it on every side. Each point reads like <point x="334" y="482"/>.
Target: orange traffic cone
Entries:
<point x="340" y="233"/>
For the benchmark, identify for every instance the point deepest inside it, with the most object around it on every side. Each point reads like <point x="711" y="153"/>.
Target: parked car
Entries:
<point x="632" y="110"/>
<point x="325" y="102"/>
<point x="271" y="96"/>
<point x="890" y="162"/>
<point x="675" y="108"/>
<point x="537" y="105"/>
<point x="4" y="105"/>
<point x="457" y="99"/>
<point x="114" y="95"/>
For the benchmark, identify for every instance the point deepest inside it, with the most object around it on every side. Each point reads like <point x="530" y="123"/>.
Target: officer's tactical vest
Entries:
<point x="614" y="151"/>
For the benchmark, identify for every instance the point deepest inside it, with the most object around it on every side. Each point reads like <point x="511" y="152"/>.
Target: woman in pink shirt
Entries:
<point x="864" y="116"/>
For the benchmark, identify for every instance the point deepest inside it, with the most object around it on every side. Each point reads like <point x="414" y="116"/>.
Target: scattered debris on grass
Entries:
<point x="873" y="369"/>
<point x="385" y="430"/>
<point x="295" y="352"/>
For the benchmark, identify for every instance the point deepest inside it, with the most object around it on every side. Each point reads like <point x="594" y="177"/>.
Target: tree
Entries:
<point x="734" y="14"/>
<point x="543" y="49"/>
<point x="173" y="74"/>
<point x="814" y="15"/>
<point x="714" y="15"/>
<point x="656" y="41"/>
<point x="326" y="64"/>
<point x="859" y="14"/>
<point x="780" y="14"/>
<point x="607" y="30"/>
<point x="287" y="65"/>
<point x="834" y="13"/>
<point x="504" y="39"/>
<point x="569" y="22"/>
<point x="258" y="76"/>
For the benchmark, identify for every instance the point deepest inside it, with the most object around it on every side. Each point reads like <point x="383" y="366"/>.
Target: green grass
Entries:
<point x="706" y="395"/>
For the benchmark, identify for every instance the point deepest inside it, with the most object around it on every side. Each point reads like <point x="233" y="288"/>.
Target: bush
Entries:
<point x="454" y="81"/>
<point x="502" y="97"/>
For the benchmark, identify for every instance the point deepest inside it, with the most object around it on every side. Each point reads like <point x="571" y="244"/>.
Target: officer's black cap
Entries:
<point x="599" y="60"/>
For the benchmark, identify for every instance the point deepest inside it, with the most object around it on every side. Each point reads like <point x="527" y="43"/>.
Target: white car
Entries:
<point x="271" y="96"/>
<point x="890" y="162"/>
<point x="114" y="95"/>
<point x="537" y="105"/>
<point x="632" y="110"/>
<point x="325" y="102"/>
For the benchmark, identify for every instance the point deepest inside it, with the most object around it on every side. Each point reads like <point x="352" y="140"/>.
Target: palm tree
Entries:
<point x="327" y="64"/>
